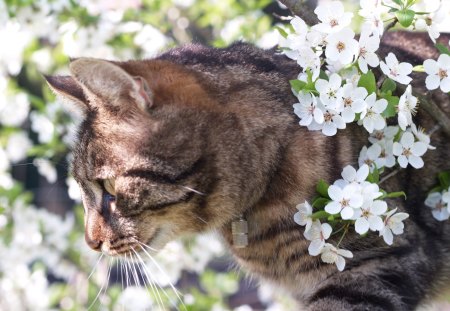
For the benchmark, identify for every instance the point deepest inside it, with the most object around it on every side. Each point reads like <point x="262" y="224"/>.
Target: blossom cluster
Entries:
<point x="337" y="86"/>
<point x="352" y="200"/>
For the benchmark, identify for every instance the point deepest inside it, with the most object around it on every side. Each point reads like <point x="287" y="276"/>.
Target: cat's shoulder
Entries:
<point x="237" y="54"/>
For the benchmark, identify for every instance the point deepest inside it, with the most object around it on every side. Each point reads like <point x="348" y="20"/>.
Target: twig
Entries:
<point x="302" y="10"/>
<point x="388" y="26"/>
<point x="393" y="173"/>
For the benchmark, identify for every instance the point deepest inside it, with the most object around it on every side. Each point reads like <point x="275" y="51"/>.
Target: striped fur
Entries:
<point x="221" y="123"/>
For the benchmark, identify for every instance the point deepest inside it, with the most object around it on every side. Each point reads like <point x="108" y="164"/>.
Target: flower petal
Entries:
<point x="419" y="148"/>
<point x="347" y="212"/>
<point x="315" y="247"/>
<point x="415" y="161"/>
<point x="333" y="207"/>
<point x="361" y="225"/>
<point x="335" y="193"/>
<point x="340" y="263"/>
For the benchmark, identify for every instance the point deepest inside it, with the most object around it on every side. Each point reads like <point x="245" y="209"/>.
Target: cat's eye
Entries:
<point x="110" y="186"/>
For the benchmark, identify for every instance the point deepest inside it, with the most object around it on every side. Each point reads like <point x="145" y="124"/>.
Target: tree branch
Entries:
<point x="302" y="10"/>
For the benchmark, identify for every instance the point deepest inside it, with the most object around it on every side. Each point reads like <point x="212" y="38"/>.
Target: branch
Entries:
<point x="387" y="27"/>
<point x="433" y="110"/>
<point x="302" y="10"/>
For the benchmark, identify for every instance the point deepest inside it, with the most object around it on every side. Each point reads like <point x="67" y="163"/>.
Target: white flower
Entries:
<point x="373" y="24"/>
<point x="351" y="176"/>
<point x="351" y="75"/>
<point x="367" y="48"/>
<point x="307" y="109"/>
<point x="396" y="71"/>
<point x="331" y="254"/>
<point x="43" y="126"/>
<point x="368" y="217"/>
<point x="387" y="133"/>
<point x="419" y="133"/>
<point x="370" y="191"/>
<point x="328" y="90"/>
<point x="308" y="59"/>
<point x="431" y="23"/>
<point x="303" y="216"/>
<point x="371" y="116"/>
<point x="46" y="169"/>
<point x="409" y="151"/>
<point x="406" y="108"/>
<point x="14" y="110"/>
<point x="135" y="298"/>
<point x="387" y="157"/>
<point x="17" y="147"/>
<point x="345" y="200"/>
<point x="438" y="73"/>
<point x="446" y="197"/>
<point x="332" y="17"/>
<point x="317" y="235"/>
<point x="352" y="99"/>
<point x="385" y="139"/>
<point x="370" y="156"/>
<point x="438" y="208"/>
<point x="297" y="40"/>
<point x="393" y="224"/>
<point x="332" y="122"/>
<point x="342" y="46"/>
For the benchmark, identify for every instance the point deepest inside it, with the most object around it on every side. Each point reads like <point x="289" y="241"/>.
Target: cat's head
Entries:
<point x="156" y="157"/>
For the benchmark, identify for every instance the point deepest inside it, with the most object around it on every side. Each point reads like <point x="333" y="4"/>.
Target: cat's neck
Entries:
<point x="276" y="247"/>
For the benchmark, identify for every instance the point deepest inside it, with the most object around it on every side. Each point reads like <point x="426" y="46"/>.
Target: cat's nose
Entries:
<point x="96" y="245"/>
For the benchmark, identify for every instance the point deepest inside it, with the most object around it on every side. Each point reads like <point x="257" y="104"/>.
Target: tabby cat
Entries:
<point x="200" y="137"/>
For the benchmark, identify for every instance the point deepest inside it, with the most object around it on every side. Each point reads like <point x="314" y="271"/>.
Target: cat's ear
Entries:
<point x="68" y="90"/>
<point x="113" y="85"/>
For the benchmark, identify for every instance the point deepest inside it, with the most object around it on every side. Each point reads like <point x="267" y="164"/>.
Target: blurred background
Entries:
<point x="44" y="262"/>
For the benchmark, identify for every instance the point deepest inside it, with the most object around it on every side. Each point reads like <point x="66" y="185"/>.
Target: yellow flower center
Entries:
<point x="340" y="46"/>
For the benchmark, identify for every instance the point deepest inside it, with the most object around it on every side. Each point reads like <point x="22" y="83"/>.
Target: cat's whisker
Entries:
<point x="150" y="281"/>
<point x="193" y="190"/>
<point x="95" y="266"/>
<point x="127" y="276"/>
<point x="177" y="293"/>
<point x="201" y="219"/>
<point x="121" y="272"/>
<point x="102" y="287"/>
<point x="136" y="276"/>
<point x="143" y="244"/>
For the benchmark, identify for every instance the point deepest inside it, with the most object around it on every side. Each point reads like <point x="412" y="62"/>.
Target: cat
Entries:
<point x="200" y="137"/>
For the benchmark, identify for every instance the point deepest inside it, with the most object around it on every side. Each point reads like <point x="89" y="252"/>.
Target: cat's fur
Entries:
<point x="220" y="122"/>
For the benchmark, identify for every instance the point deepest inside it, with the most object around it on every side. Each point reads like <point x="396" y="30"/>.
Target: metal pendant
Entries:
<point x="239" y="230"/>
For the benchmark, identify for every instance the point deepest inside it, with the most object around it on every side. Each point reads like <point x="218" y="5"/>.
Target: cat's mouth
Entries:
<point x="131" y="245"/>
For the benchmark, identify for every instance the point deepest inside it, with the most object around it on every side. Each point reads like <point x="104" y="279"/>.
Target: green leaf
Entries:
<point x="442" y="48"/>
<point x="368" y="82"/>
<point x="322" y="188"/>
<point x="405" y="17"/>
<point x="444" y="179"/>
<point x="320" y="215"/>
<point x="282" y="31"/>
<point x="391" y="109"/>
<point x="374" y="177"/>
<point x="320" y="202"/>
<point x="418" y="68"/>
<point x="388" y="85"/>
<point x="297" y="85"/>
<point x="393" y="195"/>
